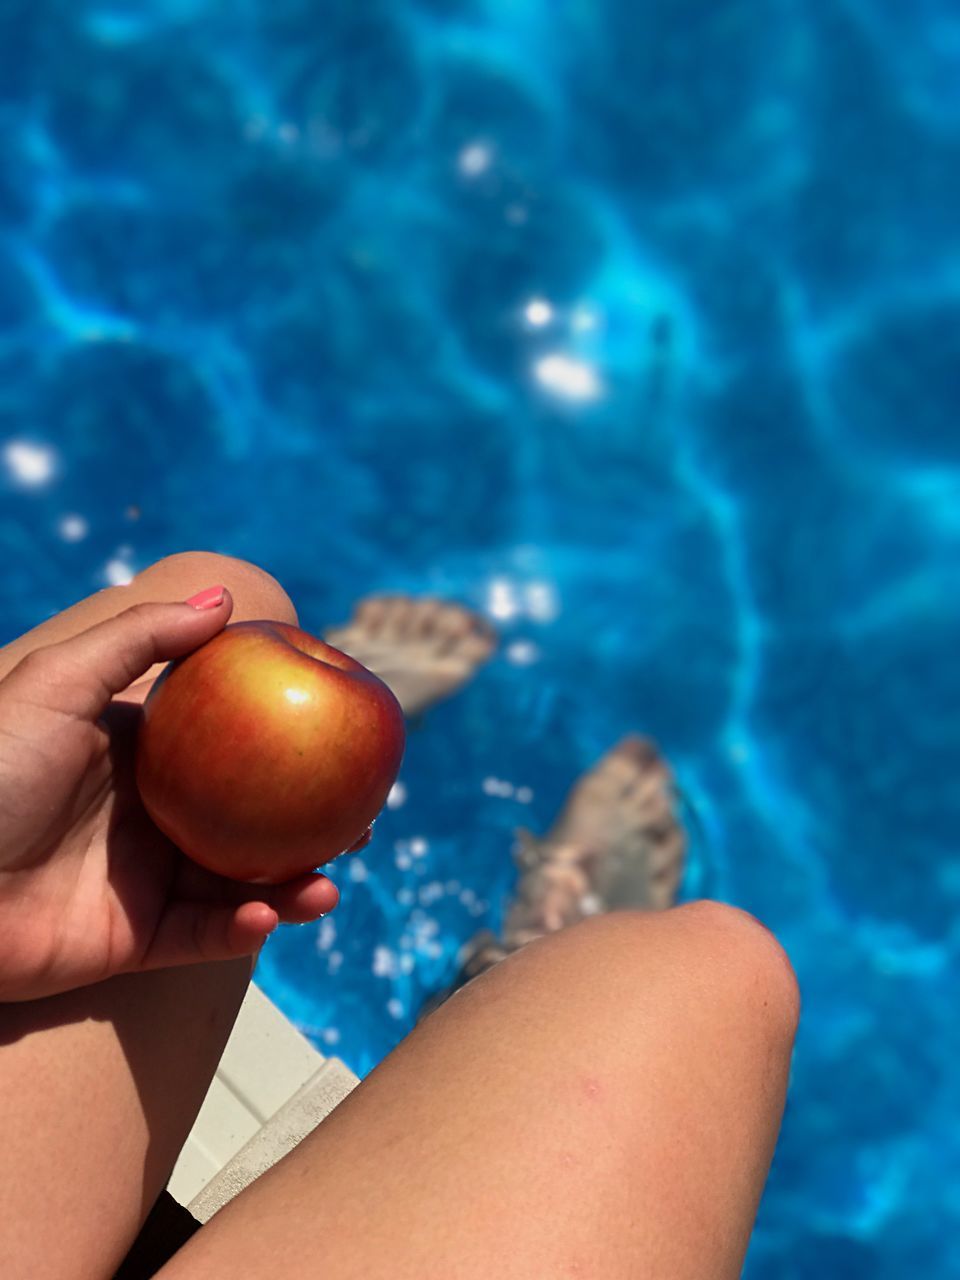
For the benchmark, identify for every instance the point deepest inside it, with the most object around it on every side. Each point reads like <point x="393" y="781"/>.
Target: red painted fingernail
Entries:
<point x="209" y="598"/>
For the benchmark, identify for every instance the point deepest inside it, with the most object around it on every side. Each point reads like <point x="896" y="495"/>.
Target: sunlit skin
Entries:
<point x="267" y="753"/>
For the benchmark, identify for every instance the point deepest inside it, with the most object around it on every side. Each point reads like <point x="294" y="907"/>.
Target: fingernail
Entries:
<point x="209" y="598"/>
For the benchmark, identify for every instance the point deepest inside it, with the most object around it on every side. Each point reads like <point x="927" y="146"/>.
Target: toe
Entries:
<point x="426" y="617"/>
<point x="616" y="774"/>
<point x="640" y="750"/>
<point x="466" y="634"/>
<point x="398" y="616"/>
<point x="633" y="762"/>
<point x="371" y="614"/>
<point x="451" y="624"/>
<point x="476" y="647"/>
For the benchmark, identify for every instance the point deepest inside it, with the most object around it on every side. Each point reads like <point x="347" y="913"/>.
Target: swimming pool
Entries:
<point x="636" y="325"/>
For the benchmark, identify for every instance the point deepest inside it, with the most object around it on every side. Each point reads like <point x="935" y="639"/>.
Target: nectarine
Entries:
<point x="266" y="752"/>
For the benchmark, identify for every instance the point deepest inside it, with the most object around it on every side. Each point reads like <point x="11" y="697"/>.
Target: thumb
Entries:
<point x="79" y="676"/>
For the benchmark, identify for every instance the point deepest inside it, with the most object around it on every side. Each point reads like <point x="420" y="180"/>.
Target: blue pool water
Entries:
<point x="635" y="323"/>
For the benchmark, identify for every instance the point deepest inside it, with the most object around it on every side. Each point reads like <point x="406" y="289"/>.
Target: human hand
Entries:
<point x="89" y="887"/>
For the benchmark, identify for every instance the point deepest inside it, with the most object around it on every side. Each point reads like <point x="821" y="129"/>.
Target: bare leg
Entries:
<point x="99" y="1087"/>
<point x="604" y="1103"/>
<point x="617" y="843"/>
<point x="425" y="650"/>
<point x="177" y="577"/>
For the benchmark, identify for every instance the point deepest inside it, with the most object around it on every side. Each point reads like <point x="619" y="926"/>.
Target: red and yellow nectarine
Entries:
<point x="266" y="752"/>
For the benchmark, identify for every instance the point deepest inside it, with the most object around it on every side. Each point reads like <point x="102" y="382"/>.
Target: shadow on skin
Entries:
<point x="125" y="1063"/>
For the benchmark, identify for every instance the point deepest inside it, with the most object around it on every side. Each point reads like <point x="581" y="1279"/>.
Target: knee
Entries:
<point x="709" y="955"/>
<point x="255" y="592"/>
<point x="747" y="962"/>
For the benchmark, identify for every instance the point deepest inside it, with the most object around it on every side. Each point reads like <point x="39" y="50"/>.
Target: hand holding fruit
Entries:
<point x="88" y="886"/>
